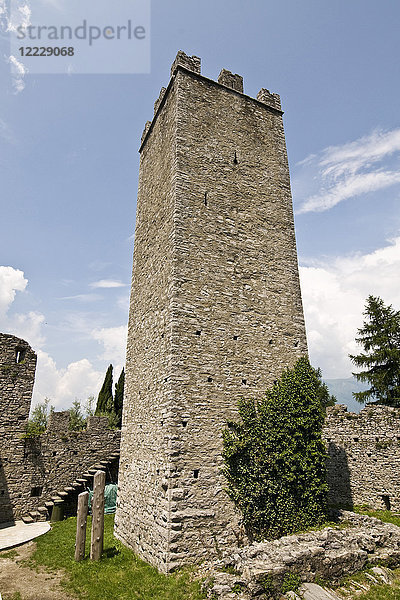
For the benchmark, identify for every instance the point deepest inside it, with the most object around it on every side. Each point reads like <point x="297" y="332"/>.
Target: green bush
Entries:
<point x="275" y="459"/>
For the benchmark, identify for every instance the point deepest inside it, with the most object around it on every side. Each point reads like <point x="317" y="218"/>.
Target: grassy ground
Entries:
<point x="380" y="592"/>
<point x="120" y="575"/>
<point x="384" y="515"/>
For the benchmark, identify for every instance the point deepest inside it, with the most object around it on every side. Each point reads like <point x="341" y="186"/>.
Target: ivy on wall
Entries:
<point x="275" y="459"/>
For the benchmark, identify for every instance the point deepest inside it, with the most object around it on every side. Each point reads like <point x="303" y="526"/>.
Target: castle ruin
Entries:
<point x="37" y="472"/>
<point x="215" y="311"/>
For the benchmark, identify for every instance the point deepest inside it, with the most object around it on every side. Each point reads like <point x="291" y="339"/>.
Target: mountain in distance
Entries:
<point x="343" y="390"/>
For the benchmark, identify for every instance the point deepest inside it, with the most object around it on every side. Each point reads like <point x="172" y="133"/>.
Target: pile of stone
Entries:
<point x="328" y="554"/>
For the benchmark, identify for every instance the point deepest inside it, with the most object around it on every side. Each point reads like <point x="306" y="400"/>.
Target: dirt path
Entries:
<point x="17" y="578"/>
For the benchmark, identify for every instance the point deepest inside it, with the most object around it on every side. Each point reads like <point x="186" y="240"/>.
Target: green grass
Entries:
<point x="384" y="591"/>
<point x="384" y="515"/>
<point x="9" y="554"/>
<point x="120" y="575"/>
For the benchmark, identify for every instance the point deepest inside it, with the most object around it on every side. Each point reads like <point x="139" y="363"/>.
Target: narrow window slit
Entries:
<point x="235" y="337"/>
<point x="198" y="332"/>
<point x="209" y="379"/>
<point x="205" y="198"/>
<point x="196" y="473"/>
<point x="20" y="355"/>
<point x="235" y="160"/>
<point x="244" y="381"/>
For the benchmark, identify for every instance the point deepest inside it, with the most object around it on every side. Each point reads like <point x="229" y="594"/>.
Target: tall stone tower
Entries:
<point x="215" y="311"/>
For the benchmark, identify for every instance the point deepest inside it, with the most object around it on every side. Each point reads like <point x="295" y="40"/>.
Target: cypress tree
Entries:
<point x="119" y="397"/>
<point x="105" y="401"/>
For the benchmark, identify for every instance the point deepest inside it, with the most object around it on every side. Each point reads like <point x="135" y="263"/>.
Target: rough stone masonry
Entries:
<point x="215" y="312"/>
<point x="33" y="469"/>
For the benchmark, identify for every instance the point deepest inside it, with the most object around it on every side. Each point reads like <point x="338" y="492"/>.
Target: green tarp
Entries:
<point x="110" y="498"/>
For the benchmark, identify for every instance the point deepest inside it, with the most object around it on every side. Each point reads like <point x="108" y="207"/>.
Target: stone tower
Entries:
<point x="17" y="376"/>
<point x="215" y="311"/>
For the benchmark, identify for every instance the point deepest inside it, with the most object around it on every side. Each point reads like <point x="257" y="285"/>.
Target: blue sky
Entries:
<point x="69" y="165"/>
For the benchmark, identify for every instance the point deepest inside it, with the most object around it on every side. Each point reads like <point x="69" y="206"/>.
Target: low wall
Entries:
<point x="327" y="554"/>
<point x="37" y="467"/>
<point x="364" y="456"/>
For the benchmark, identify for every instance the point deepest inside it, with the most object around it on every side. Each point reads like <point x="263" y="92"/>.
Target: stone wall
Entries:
<point x="364" y="456"/>
<point x="17" y="375"/>
<point x="59" y="456"/>
<point x="32" y="469"/>
<point x="216" y="310"/>
<point x="328" y="554"/>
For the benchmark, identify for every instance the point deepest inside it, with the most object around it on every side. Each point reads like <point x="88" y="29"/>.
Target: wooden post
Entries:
<point x="83" y="500"/>
<point x="96" y="543"/>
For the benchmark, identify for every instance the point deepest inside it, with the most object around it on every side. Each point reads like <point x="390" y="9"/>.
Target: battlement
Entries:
<point x="191" y="63"/>
<point x="230" y="81"/>
<point x="59" y="421"/>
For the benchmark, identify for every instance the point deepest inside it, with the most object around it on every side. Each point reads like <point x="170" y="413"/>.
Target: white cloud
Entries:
<point x="343" y="172"/>
<point x="18" y="71"/>
<point x="25" y="325"/>
<point x="78" y="380"/>
<point x="82" y="297"/>
<point x="113" y="340"/>
<point x="19" y="15"/>
<point x="351" y="187"/>
<point x="11" y="281"/>
<point x="334" y="294"/>
<point x="107" y="283"/>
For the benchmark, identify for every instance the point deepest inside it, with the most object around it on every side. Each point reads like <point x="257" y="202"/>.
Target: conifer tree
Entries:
<point x="380" y="338"/>
<point x="105" y="401"/>
<point x="119" y="397"/>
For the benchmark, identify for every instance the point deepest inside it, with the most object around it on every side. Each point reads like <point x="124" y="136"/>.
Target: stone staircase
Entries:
<point x="43" y="513"/>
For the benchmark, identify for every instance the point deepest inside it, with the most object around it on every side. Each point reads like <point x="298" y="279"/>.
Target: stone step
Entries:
<point x="69" y="489"/>
<point x="42" y="509"/>
<point x="34" y="514"/>
<point x="57" y="499"/>
<point x="62" y="494"/>
<point x="76" y="484"/>
<point x="87" y="476"/>
<point x="81" y="480"/>
<point x="49" y="504"/>
<point x="27" y="519"/>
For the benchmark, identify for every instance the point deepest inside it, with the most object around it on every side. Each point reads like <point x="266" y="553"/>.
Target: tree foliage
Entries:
<point x="119" y="398"/>
<point x="380" y="338"/>
<point x="37" y="422"/>
<point x="275" y="459"/>
<point x="77" y="420"/>
<point x="105" y="401"/>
